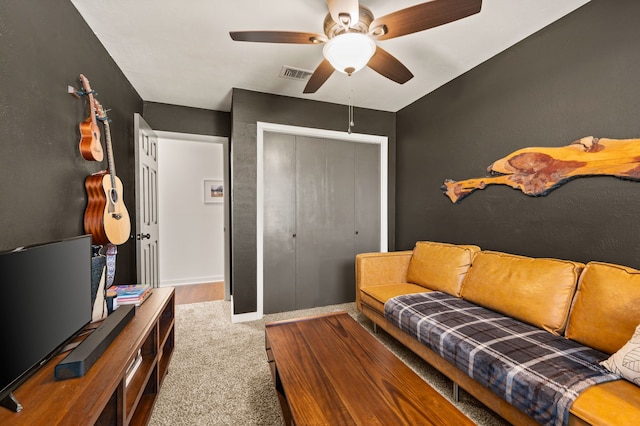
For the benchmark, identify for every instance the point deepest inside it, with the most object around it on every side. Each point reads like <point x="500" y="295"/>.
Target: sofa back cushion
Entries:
<point x="606" y="309"/>
<point x="534" y="290"/>
<point x="440" y="266"/>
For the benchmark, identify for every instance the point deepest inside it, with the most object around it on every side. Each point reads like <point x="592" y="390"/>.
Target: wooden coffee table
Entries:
<point x="328" y="370"/>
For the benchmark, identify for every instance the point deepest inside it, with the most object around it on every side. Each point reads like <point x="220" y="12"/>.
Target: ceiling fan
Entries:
<point x="351" y="32"/>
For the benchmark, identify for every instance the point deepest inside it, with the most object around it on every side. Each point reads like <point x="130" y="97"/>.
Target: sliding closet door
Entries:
<point x="321" y="208"/>
<point x="367" y="197"/>
<point x="325" y="221"/>
<point x="279" y="259"/>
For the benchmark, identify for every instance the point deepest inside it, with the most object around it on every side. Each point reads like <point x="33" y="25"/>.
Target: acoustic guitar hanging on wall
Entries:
<point x="90" y="146"/>
<point x="106" y="218"/>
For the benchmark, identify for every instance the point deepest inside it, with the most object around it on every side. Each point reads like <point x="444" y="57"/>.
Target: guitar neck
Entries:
<point x="101" y="113"/>
<point x="110" y="160"/>
<point x="93" y="109"/>
<point x="89" y="92"/>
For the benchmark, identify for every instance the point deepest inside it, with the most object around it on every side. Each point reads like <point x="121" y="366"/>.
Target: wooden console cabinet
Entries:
<point x="103" y="395"/>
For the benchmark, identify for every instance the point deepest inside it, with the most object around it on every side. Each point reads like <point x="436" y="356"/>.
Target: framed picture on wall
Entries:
<point x="213" y="191"/>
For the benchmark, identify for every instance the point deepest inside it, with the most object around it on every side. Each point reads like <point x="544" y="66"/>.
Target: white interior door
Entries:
<point x="147" y="230"/>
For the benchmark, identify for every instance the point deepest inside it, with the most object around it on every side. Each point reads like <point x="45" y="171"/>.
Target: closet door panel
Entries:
<point x="279" y="288"/>
<point x="311" y="220"/>
<point x="367" y="197"/>
<point x="325" y="222"/>
<point x="339" y="243"/>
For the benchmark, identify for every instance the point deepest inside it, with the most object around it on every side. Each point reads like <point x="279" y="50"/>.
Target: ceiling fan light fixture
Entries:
<point x="349" y="52"/>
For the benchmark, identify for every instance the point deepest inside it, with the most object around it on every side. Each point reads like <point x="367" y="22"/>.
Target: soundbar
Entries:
<point x="80" y="360"/>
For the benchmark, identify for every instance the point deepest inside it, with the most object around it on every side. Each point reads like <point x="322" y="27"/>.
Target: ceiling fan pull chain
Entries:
<point x="351" y="123"/>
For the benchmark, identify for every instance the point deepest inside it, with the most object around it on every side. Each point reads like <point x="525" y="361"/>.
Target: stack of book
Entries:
<point x="131" y="294"/>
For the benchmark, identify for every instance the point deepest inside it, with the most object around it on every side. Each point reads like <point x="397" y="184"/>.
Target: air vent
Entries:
<point x="295" y="73"/>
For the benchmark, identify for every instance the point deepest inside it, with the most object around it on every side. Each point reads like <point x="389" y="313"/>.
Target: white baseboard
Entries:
<point x="188" y="281"/>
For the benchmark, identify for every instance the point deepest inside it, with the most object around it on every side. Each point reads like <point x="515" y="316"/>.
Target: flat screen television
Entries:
<point x="45" y="301"/>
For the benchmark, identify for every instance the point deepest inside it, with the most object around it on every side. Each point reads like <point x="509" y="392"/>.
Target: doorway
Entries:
<point x="194" y="247"/>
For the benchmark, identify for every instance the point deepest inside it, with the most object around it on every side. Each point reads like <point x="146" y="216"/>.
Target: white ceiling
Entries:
<point x="180" y="52"/>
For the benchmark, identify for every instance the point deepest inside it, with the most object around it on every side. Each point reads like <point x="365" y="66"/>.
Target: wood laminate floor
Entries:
<point x="194" y="293"/>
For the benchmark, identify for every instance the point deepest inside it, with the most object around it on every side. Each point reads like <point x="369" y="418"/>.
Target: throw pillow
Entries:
<point x="626" y="361"/>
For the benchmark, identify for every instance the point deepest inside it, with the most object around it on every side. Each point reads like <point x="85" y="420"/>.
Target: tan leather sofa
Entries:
<point x="596" y="304"/>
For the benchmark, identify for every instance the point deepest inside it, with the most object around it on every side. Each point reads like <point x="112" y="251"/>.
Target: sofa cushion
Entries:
<point x="440" y="266"/>
<point x="376" y="296"/>
<point x="606" y="309"/>
<point x="538" y="372"/>
<point x="534" y="290"/>
<point x="626" y="361"/>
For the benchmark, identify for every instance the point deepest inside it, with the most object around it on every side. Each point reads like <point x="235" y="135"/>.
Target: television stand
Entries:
<point x="11" y="403"/>
<point x="119" y="389"/>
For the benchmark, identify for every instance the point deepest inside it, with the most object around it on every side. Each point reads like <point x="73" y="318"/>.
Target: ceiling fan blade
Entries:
<point x="421" y="17"/>
<point x="346" y="12"/>
<point x="278" y="37"/>
<point x="319" y="76"/>
<point x="387" y="65"/>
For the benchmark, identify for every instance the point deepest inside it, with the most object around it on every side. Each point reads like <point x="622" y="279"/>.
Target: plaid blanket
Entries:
<point x="534" y="370"/>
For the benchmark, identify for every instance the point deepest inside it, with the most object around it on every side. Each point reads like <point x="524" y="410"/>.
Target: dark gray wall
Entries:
<point x="575" y="78"/>
<point x="44" y="46"/>
<point x="181" y="119"/>
<point x="247" y="109"/>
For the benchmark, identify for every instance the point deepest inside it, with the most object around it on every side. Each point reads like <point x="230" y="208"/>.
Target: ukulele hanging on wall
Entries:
<point x="90" y="146"/>
<point x="106" y="217"/>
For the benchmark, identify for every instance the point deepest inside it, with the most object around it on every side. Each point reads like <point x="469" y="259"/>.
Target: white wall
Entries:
<point x="191" y="232"/>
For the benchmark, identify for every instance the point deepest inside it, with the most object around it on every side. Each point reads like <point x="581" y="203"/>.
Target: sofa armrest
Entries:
<point x="610" y="403"/>
<point x="374" y="269"/>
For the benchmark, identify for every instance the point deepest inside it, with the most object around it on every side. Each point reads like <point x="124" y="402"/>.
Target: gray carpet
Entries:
<point x="219" y="375"/>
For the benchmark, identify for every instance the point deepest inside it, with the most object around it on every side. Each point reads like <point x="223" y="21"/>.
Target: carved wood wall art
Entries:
<point x="538" y="171"/>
